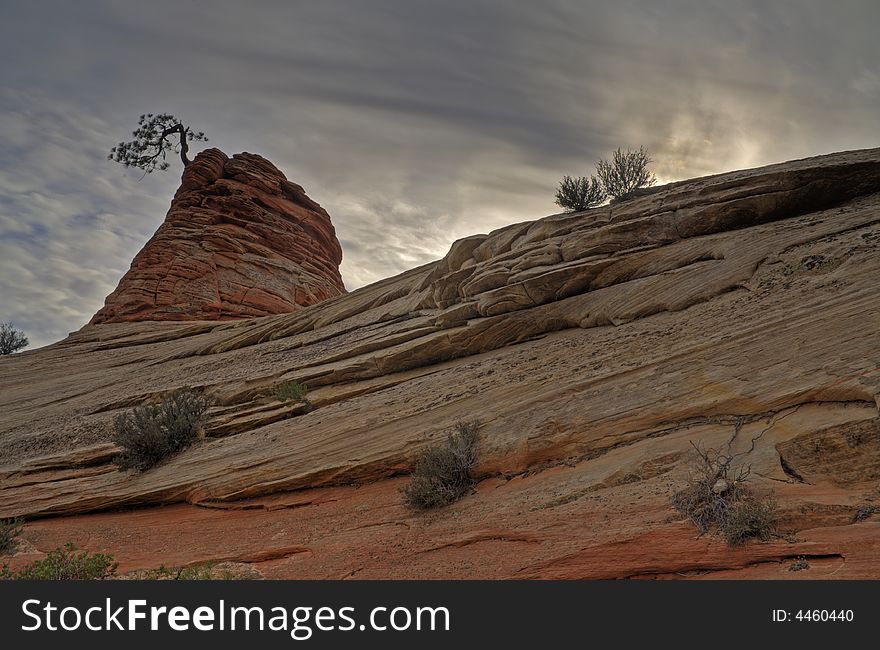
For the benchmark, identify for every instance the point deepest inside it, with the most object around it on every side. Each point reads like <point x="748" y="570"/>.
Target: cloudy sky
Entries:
<point x="414" y="123"/>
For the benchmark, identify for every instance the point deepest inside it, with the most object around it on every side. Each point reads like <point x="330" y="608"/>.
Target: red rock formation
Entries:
<point x="738" y="312"/>
<point x="239" y="241"/>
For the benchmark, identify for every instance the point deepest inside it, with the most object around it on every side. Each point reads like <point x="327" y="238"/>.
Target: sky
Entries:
<point x="413" y="123"/>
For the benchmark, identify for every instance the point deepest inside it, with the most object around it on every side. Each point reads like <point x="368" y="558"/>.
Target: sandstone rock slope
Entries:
<point x="739" y="311"/>
<point x="240" y="240"/>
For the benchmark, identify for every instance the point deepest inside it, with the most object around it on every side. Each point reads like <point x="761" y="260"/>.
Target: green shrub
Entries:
<point x="65" y="564"/>
<point x="577" y="194"/>
<point x="717" y="498"/>
<point x="442" y="474"/>
<point x="10" y="529"/>
<point x="290" y="391"/>
<point x="148" y="434"/>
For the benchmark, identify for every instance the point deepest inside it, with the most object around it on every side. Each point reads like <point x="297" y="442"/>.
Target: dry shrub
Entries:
<point x="750" y="518"/>
<point x="717" y="498"/>
<point x="442" y="474"/>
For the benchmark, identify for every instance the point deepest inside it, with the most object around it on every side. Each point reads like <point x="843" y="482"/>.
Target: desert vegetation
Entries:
<point x="206" y="571"/>
<point x="717" y="498"/>
<point x="580" y="193"/>
<point x="65" y="563"/>
<point x="290" y="391"/>
<point x="156" y="136"/>
<point x="751" y="517"/>
<point x="443" y="473"/>
<point x="626" y="172"/>
<point x="10" y="529"/>
<point x="617" y="178"/>
<point x="150" y="433"/>
<point x="11" y="339"/>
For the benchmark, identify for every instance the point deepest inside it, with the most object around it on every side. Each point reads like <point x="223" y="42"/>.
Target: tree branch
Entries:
<point x="184" y="147"/>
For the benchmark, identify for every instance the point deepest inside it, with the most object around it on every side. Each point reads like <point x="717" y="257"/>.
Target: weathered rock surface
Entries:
<point x="740" y="311"/>
<point x="239" y="241"/>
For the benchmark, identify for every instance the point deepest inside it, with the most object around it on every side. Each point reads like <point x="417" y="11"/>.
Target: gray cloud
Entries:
<point x="414" y="123"/>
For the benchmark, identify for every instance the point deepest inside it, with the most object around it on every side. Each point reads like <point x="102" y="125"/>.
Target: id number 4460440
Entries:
<point x="813" y="615"/>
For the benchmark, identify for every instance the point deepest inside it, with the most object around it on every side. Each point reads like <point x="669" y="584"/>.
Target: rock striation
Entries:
<point x="737" y="311"/>
<point x="239" y="241"/>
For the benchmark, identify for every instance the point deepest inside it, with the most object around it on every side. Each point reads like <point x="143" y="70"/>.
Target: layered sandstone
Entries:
<point x="239" y="241"/>
<point x="737" y="311"/>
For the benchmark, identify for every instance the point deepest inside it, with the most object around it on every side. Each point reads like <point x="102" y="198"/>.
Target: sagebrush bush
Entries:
<point x="148" y="434"/>
<point x="10" y="529"/>
<point x="64" y="563"/>
<point x="717" y="498"/>
<point x="625" y="172"/>
<point x="576" y="194"/>
<point x="290" y="391"/>
<point x="442" y="474"/>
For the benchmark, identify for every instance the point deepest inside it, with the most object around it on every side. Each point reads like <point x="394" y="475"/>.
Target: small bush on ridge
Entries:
<point x="618" y="178"/>
<point x="577" y="194"/>
<point x="627" y="171"/>
<point x="148" y="434"/>
<point x="442" y="473"/>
